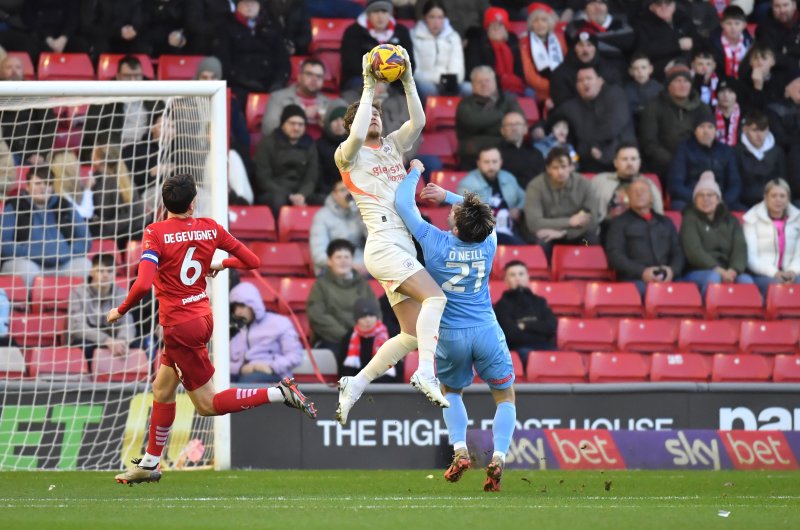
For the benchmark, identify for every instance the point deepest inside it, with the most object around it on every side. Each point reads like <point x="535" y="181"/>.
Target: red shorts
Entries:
<point x="186" y="351"/>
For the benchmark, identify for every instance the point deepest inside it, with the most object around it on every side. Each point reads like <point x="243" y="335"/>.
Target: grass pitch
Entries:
<point x="406" y="500"/>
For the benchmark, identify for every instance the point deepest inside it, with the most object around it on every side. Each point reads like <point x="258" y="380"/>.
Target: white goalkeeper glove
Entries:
<point x="369" y="79"/>
<point x="408" y="76"/>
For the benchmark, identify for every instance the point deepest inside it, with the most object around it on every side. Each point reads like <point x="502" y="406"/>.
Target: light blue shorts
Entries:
<point x="482" y="346"/>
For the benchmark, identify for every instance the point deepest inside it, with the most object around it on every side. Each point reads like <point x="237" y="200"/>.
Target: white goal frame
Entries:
<point x="218" y="187"/>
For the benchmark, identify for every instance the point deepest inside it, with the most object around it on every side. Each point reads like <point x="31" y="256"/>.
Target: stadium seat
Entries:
<point x="267" y="292"/>
<point x="254" y="110"/>
<point x="12" y="363"/>
<point x="757" y="336"/>
<point x="708" y="336"/>
<point x="327" y="33"/>
<point x="107" y="367"/>
<point x="252" y="223"/>
<point x="105" y="246"/>
<point x="578" y="262"/>
<point x="133" y="254"/>
<point x="440" y="112"/>
<point x="496" y="290"/>
<point x="564" y="298"/>
<point x="739" y="217"/>
<point x="586" y="334"/>
<point x="281" y="259"/>
<point x="654" y="335"/>
<point x="30" y="330"/>
<point x="438" y="215"/>
<point x="52" y="293"/>
<point x="377" y="288"/>
<point x="676" y="218"/>
<point x="28" y="73"/>
<point x="410" y="364"/>
<point x="107" y="66"/>
<point x="294" y="292"/>
<point x="652" y="177"/>
<point x="448" y="180"/>
<point x="440" y="144"/>
<point x="15" y="289"/>
<point x="786" y="369"/>
<point x="57" y="363"/>
<point x="615" y="367"/>
<point x="555" y="367"/>
<point x="612" y="299"/>
<point x="531" y="255"/>
<point x="733" y="301"/>
<point x="740" y="369"/>
<point x="666" y="367"/>
<point x="333" y="68"/>
<point x="65" y="67"/>
<point x="294" y="222"/>
<point x="296" y="61"/>
<point x="679" y="299"/>
<point x="326" y="362"/>
<point x="529" y="109"/>
<point x="178" y="67"/>
<point x="783" y="301"/>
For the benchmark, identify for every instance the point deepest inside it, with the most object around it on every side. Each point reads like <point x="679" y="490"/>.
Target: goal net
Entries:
<point x="81" y="168"/>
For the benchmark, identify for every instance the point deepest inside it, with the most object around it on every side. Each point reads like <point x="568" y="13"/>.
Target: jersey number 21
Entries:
<point x="452" y="285"/>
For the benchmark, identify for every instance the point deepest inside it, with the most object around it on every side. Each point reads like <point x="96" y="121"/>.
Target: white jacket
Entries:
<point x="434" y="56"/>
<point x="762" y="241"/>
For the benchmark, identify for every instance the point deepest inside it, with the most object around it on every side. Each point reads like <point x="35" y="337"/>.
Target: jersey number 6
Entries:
<point x="190" y="265"/>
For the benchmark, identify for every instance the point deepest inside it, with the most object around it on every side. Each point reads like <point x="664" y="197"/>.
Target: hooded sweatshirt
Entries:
<point x="334" y="222"/>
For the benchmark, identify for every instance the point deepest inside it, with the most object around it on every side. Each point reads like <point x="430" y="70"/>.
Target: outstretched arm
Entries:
<point x="410" y="130"/>
<point x="244" y="258"/>
<point x="360" y="125"/>
<point x="404" y="201"/>
<point x="142" y="286"/>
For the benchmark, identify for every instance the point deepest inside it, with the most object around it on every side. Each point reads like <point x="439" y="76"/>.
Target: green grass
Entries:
<point x="406" y="500"/>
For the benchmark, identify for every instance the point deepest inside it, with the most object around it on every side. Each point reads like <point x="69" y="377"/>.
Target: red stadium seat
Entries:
<point x="531" y="255"/>
<point x="441" y="144"/>
<point x="107" y="66"/>
<point x="132" y="367"/>
<point x="178" y="67"/>
<point x="439" y="216"/>
<point x="496" y="289"/>
<point x="769" y="337"/>
<point x="740" y="369"/>
<point x="12" y="363"/>
<point x="266" y="291"/>
<point x="440" y="112"/>
<point x="529" y="109"/>
<point x="612" y="299"/>
<point x="783" y="301"/>
<point x="555" y="367"/>
<point x="679" y="367"/>
<point x="615" y="367"/>
<point x="327" y="33"/>
<point x="333" y="69"/>
<point x="647" y="335"/>
<point x="254" y="110"/>
<point x="295" y="291"/>
<point x="133" y="254"/>
<point x="39" y="330"/>
<point x="281" y="259"/>
<point x="580" y="263"/>
<point x="734" y="300"/>
<point x="52" y="293"/>
<point x="105" y="246"/>
<point x="564" y="298"/>
<point x="65" y="67"/>
<point x="676" y="218"/>
<point x="448" y="180"/>
<point x="410" y="364"/>
<point x="296" y="61"/>
<point x="680" y="299"/>
<point x="57" y="363"/>
<point x="294" y="222"/>
<point x="652" y="177"/>
<point x="15" y="289"/>
<point x="252" y="223"/>
<point x="28" y="72"/>
<point x="708" y="336"/>
<point x="586" y="334"/>
<point x="786" y="369"/>
<point x="377" y="288"/>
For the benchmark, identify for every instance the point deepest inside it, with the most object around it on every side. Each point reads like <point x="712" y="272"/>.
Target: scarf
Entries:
<point x="504" y="66"/>
<point x="380" y="333"/>
<point x="708" y="93"/>
<point x="728" y="135"/>
<point x="759" y="152"/>
<point x="733" y="56"/>
<point x="546" y="55"/>
<point x="246" y="22"/>
<point x="381" y="36"/>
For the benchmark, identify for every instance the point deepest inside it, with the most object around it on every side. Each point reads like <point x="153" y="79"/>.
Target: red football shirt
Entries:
<point x="182" y="249"/>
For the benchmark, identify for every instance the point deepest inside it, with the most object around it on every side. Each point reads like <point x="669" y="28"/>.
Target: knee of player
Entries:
<point x="438" y="301"/>
<point x="163" y="394"/>
<point x="505" y="395"/>
<point x="205" y="409"/>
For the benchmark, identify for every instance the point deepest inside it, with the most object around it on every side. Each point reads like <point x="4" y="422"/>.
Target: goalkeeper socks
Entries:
<point x="505" y="420"/>
<point x="161" y="419"/>
<point x="455" y="417"/>
<point x="428" y="331"/>
<point x="387" y="356"/>
<point x="239" y="399"/>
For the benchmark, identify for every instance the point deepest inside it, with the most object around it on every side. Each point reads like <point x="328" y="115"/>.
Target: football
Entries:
<point x="387" y="62"/>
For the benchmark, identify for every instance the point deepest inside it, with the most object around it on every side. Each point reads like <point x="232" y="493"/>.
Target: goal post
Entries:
<point x="53" y="407"/>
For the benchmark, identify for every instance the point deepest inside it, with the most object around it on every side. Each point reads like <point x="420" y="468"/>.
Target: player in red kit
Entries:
<point x="176" y="258"/>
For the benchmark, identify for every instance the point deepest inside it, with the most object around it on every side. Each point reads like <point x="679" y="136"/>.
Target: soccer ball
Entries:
<point x="387" y="62"/>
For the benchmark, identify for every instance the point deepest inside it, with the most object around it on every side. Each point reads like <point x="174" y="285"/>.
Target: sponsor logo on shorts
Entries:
<point x="194" y="298"/>
<point x="408" y="263"/>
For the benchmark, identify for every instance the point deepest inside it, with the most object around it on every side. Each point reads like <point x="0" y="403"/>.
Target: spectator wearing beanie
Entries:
<point x="583" y="53"/>
<point x="712" y="239"/>
<point x="287" y="164"/>
<point x="727" y="113"/>
<point x="698" y="154"/>
<point x="498" y="47"/>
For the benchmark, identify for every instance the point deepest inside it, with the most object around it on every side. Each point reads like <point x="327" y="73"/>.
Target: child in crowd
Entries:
<point x="559" y="136"/>
<point x="641" y="88"/>
<point x="368" y="335"/>
<point x="704" y="75"/>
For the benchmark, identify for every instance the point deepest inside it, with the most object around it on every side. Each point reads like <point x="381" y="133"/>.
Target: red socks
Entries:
<point x="239" y="399"/>
<point x="160" y="422"/>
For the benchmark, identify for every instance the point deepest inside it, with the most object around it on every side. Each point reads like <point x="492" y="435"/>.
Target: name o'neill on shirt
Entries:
<point x="194" y="298"/>
<point x="465" y="255"/>
<point x="191" y="235"/>
<point x="395" y="173"/>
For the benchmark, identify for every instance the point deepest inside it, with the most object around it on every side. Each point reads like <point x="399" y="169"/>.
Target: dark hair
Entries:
<point x="178" y="192"/>
<point x="104" y="260"/>
<point x="514" y="263"/>
<point x="639" y="55"/>
<point x="556" y="154"/>
<point x="757" y="118"/>
<point x="313" y="61"/>
<point x="340" y="244"/>
<point x="42" y="172"/>
<point x="350" y="114"/>
<point x="131" y="61"/>
<point x="489" y="148"/>
<point x="473" y="218"/>
<point x="588" y="67"/>
<point x="758" y="48"/>
<point x="626" y="145"/>
<point x="431" y="4"/>
<point x="702" y="51"/>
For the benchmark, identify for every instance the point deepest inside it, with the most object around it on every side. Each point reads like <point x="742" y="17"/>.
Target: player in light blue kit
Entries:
<point x="469" y="335"/>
